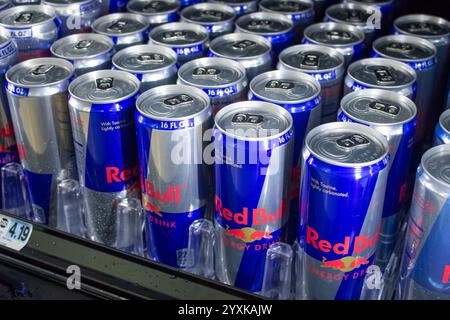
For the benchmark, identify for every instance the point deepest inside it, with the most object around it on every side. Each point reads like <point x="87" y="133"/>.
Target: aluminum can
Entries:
<point x="187" y="3"/>
<point x="5" y="4"/>
<point x="347" y="39"/>
<point x="33" y="27"/>
<point x="102" y="115"/>
<point x="24" y="2"/>
<point x="252" y="197"/>
<point x="442" y="131"/>
<point x="218" y="19"/>
<point x="425" y="271"/>
<point x="299" y="94"/>
<point x="420" y="55"/>
<point x="358" y="15"/>
<point x="153" y="65"/>
<point x="8" y="145"/>
<point x="323" y="63"/>
<point x="223" y="80"/>
<point x="156" y="12"/>
<point x="175" y="191"/>
<point x="86" y="51"/>
<point x="113" y="6"/>
<point x="437" y="31"/>
<point x="75" y="15"/>
<point x="393" y="115"/>
<point x="125" y="29"/>
<point x="241" y="7"/>
<point x="381" y="73"/>
<point x="386" y="7"/>
<point x="275" y="27"/>
<point x="188" y="40"/>
<point x="252" y="51"/>
<point x="345" y="167"/>
<point x="301" y="12"/>
<point x="37" y="95"/>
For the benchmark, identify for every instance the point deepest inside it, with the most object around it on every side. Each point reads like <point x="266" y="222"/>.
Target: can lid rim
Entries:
<point x="349" y="5"/>
<point x="138" y="17"/>
<point x="202" y="30"/>
<point x="52" y="15"/>
<point x="427" y="155"/>
<point x="424" y="42"/>
<point x="261" y="39"/>
<point x="279" y="16"/>
<point x="129" y="9"/>
<point x="444" y="115"/>
<point x="355" y="29"/>
<point x="228" y="9"/>
<point x="436" y="20"/>
<point x="265" y="9"/>
<point x="105" y="39"/>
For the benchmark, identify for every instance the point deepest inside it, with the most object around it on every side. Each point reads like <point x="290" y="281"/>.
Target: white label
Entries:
<point x="14" y="234"/>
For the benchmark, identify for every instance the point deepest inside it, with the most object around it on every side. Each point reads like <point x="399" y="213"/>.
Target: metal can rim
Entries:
<point x="444" y="115"/>
<point x="427" y="155"/>
<point x="422" y="17"/>
<point x="199" y="28"/>
<point x="151" y="13"/>
<point x="61" y="5"/>
<point x="138" y="17"/>
<point x="277" y="15"/>
<point x="229" y="10"/>
<point x="351" y="5"/>
<point x="47" y="9"/>
<point x="255" y="37"/>
<point x="349" y="27"/>
<point x="103" y="38"/>
<point x="265" y="9"/>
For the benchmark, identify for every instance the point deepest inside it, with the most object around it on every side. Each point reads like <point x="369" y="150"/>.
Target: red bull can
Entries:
<point x="253" y="150"/>
<point x="8" y="146"/>
<point x="275" y="27"/>
<point x="252" y="51"/>
<point x="124" y="29"/>
<point x="420" y="55"/>
<point x="76" y="15"/>
<point x="153" y="65"/>
<point x="299" y="94"/>
<point x="188" y="40"/>
<point x="381" y="73"/>
<point x="113" y="6"/>
<point x="301" y="12"/>
<point x="425" y="267"/>
<point x="442" y="131"/>
<point x="176" y="187"/>
<point x="223" y="80"/>
<point x="218" y="19"/>
<point x="32" y="27"/>
<point x="157" y="12"/>
<point x="323" y="63"/>
<point x="37" y="95"/>
<point x="86" y="51"/>
<point x="394" y="116"/>
<point x="101" y="107"/>
<point x="347" y="39"/>
<point x="386" y="7"/>
<point x="345" y="167"/>
<point x="241" y="7"/>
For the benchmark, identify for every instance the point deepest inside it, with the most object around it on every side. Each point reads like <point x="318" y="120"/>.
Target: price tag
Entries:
<point x="14" y="234"/>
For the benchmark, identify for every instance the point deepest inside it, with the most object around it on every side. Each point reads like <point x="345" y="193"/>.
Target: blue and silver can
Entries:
<point x="156" y="12"/>
<point x="442" y="131"/>
<point x="393" y="115"/>
<point x="241" y="7"/>
<point x="113" y="6"/>
<point x="345" y="167"/>
<point x="176" y="188"/>
<point x="386" y="7"/>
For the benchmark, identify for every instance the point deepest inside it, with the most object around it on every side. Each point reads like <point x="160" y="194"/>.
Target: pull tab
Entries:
<point x="244" y="44"/>
<point x="179" y="99"/>
<point x="118" y="26"/>
<point x="335" y="34"/>
<point x="153" y="6"/>
<point x="385" y="108"/>
<point x="213" y="14"/>
<point x="24" y="17"/>
<point x="291" y="6"/>
<point x="310" y="60"/>
<point x="279" y="85"/>
<point x="42" y="69"/>
<point x="354" y="16"/>
<point x="150" y="58"/>
<point x="174" y="35"/>
<point x="352" y="141"/>
<point x="399" y="47"/>
<point x="245" y="118"/>
<point x="384" y="76"/>
<point x="257" y="24"/>
<point x="83" y="44"/>
<point x="206" y="72"/>
<point x="104" y="83"/>
<point x="421" y="27"/>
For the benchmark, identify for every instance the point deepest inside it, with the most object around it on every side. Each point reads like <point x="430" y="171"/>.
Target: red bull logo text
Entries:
<point x="446" y="275"/>
<point x="153" y="198"/>
<point x="114" y="174"/>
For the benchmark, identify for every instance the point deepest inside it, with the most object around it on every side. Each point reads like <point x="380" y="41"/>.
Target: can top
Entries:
<point x="208" y="13"/>
<point x="104" y="86"/>
<point x="179" y="33"/>
<point x="356" y="14"/>
<point x="347" y="144"/>
<point x="60" y="3"/>
<point x="404" y="48"/>
<point x="444" y="121"/>
<point x="286" y="6"/>
<point x="336" y="34"/>
<point x="240" y="46"/>
<point x="253" y="121"/>
<point x="311" y="58"/>
<point x="82" y="46"/>
<point x="285" y="87"/>
<point x="175" y="102"/>
<point x="26" y="16"/>
<point x="119" y="24"/>
<point x="40" y="72"/>
<point x="153" y="7"/>
<point x="144" y="58"/>
<point x="382" y="73"/>
<point x="264" y="23"/>
<point x="212" y="73"/>
<point x="423" y="25"/>
<point x="436" y="162"/>
<point x="378" y="107"/>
